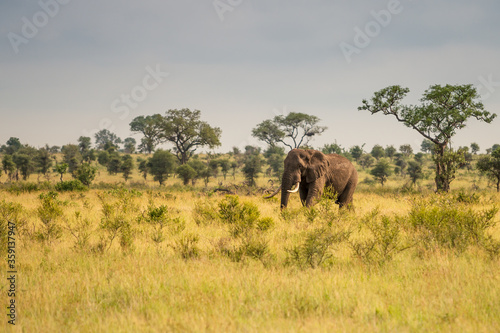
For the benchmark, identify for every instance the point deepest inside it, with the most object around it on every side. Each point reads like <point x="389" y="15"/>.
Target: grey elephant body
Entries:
<point x="315" y="171"/>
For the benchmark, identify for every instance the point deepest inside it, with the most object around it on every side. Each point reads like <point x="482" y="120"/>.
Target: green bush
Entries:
<point x="385" y="239"/>
<point x="28" y="187"/>
<point x="315" y="250"/>
<point x="161" y="218"/>
<point x="70" y="185"/>
<point x="10" y="220"/>
<point x="50" y="212"/>
<point x="242" y="218"/>
<point x="443" y="222"/>
<point x="205" y="212"/>
<point x="187" y="247"/>
<point x="119" y="207"/>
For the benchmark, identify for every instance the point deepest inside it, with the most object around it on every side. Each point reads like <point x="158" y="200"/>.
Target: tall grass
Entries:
<point x="156" y="259"/>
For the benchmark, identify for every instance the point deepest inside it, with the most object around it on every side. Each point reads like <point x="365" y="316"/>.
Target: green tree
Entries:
<point x="103" y="157"/>
<point x="114" y="165"/>
<point x="161" y="165"/>
<point x="8" y="166"/>
<point x="200" y="168"/>
<point x="401" y="163"/>
<point x="415" y="171"/>
<point x="85" y="144"/>
<point x="151" y="128"/>
<point x="298" y="127"/>
<point x="24" y="158"/>
<point x="143" y="167"/>
<point x="234" y="165"/>
<point x="85" y="174"/>
<point x="378" y="151"/>
<point x="186" y="172"/>
<point x="474" y="147"/>
<point x="129" y="145"/>
<point x="381" y="171"/>
<point x="72" y="156"/>
<point x="444" y="110"/>
<point x="43" y="161"/>
<point x="252" y="167"/>
<point x="406" y="150"/>
<point x="126" y="167"/>
<point x="427" y="146"/>
<point x="332" y="148"/>
<point x="275" y="162"/>
<point x="12" y="145"/>
<point x="105" y="139"/>
<point x="490" y="166"/>
<point x="187" y="132"/>
<point x="390" y="151"/>
<point x="356" y="152"/>
<point x="366" y="161"/>
<point x="61" y="169"/>
<point x="225" y="165"/>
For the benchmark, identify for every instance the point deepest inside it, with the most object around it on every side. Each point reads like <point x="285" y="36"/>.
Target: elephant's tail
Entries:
<point x="273" y="194"/>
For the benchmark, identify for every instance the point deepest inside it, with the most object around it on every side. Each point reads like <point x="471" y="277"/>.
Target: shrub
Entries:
<point x="314" y="251"/>
<point x="246" y="227"/>
<point x="28" y="187"/>
<point x="384" y="242"/>
<point x="160" y="218"/>
<point x="50" y="212"/>
<point x="118" y="208"/>
<point x="205" y="212"/>
<point x="85" y="174"/>
<point x="443" y="222"/>
<point x="81" y="230"/>
<point x="186" y="246"/>
<point x="10" y="220"/>
<point x="70" y="185"/>
<point x="242" y="218"/>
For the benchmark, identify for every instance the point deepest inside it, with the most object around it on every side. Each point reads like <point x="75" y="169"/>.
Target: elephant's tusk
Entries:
<point x="294" y="190"/>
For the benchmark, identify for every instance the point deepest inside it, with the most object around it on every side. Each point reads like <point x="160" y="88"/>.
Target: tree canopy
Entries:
<point x="187" y="132"/>
<point x="443" y="111"/>
<point x="151" y="129"/>
<point x="298" y="127"/>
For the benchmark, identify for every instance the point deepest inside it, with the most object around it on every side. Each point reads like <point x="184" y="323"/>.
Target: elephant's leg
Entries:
<point x="345" y="198"/>
<point x="315" y="192"/>
<point x="303" y="190"/>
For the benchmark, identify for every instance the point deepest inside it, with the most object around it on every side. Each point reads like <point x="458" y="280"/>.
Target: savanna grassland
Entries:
<point x="128" y="257"/>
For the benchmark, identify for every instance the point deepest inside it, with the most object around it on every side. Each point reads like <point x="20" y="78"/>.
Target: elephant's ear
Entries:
<point x="318" y="165"/>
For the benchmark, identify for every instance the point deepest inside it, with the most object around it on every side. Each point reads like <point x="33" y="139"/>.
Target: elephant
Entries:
<point x="310" y="171"/>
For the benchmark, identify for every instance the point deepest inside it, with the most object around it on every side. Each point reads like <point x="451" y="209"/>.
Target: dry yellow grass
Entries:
<point x="151" y="288"/>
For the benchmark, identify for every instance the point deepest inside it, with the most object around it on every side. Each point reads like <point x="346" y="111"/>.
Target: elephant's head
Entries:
<point x="301" y="167"/>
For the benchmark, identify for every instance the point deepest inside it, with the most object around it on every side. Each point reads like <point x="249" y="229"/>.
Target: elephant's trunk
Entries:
<point x="286" y="185"/>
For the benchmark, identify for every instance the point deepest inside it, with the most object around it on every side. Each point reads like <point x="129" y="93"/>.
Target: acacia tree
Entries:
<point x="105" y="139"/>
<point x="187" y="132"/>
<point x="444" y="110"/>
<point x="299" y="127"/>
<point x="151" y="128"/>
<point x="381" y="171"/>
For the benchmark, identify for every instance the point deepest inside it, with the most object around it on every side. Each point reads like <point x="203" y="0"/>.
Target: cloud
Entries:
<point x="263" y="56"/>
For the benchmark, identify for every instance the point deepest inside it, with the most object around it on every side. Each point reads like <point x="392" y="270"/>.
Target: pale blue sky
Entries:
<point x="88" y="65"/>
